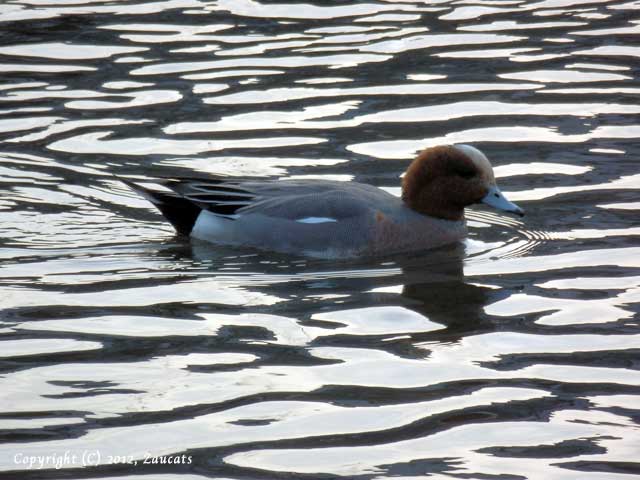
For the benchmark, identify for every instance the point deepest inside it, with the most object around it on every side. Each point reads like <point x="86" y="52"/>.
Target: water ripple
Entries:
<point x="510" y="355"/>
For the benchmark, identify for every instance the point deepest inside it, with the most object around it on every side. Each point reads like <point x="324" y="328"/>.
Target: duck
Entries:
<point x="335" y="219"/>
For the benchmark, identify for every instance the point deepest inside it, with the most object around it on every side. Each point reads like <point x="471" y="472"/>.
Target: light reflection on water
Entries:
<point x="512" y="355"/>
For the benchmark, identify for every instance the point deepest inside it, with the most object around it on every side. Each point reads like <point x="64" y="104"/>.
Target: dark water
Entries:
<point x="512" y="356"/>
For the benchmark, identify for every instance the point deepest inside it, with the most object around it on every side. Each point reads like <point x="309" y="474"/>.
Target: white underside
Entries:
<point x="209" y="226"/>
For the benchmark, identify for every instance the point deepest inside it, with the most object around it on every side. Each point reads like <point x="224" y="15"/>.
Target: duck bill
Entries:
<point x="496" y="199"/>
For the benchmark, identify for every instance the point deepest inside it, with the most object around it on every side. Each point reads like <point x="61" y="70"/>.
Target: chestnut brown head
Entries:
<point x="443" y="180"/>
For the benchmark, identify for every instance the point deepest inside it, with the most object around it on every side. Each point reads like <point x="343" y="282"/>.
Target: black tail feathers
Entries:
<point x="180" y="212"/>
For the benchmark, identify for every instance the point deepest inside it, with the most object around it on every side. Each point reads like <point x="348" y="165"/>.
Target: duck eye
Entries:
<point x="466" y="174"/>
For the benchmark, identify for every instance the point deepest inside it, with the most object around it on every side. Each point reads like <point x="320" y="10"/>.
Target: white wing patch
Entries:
<point x="316" y="220"/>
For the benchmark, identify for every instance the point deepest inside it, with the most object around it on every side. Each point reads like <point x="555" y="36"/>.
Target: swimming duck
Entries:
<point x="331" y="219"/>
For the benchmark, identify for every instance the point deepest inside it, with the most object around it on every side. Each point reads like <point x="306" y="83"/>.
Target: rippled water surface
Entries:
<point x="512" y="356"/>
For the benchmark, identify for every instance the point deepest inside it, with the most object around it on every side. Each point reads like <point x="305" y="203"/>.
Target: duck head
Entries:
<point x="442" y="180"/>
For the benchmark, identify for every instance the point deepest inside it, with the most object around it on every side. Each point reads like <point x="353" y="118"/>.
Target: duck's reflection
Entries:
<point x="431" y="284"/>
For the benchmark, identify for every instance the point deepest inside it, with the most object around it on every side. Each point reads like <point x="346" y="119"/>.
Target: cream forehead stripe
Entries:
<point x="479" y="160"/>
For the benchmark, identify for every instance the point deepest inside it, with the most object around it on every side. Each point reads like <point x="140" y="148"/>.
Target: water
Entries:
<point x="511" y="356"/>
